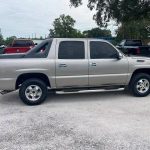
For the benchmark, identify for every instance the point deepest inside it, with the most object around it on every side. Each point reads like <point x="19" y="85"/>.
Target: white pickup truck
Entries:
<point x="72" y="64"/>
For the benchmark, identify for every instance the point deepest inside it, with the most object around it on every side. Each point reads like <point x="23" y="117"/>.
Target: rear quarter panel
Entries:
<point x="11" y="69"/>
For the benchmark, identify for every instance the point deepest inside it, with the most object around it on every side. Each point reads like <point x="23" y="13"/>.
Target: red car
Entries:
<point x="19" y="46"/>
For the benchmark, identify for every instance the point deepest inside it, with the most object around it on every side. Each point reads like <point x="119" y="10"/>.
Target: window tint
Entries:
<point x="102" y="50"/>
<point x="22" y="43"/>
<point x="71" y="50"/>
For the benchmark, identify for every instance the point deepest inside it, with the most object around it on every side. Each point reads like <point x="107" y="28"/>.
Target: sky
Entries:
<point x="27" y="18"/>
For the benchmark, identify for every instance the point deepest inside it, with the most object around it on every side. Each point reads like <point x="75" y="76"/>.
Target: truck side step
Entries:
<point x="71" y="90"/>
<point x="3" y="92"/>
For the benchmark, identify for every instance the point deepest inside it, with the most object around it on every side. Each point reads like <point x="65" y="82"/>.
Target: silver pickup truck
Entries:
<point x="72" y="65"/>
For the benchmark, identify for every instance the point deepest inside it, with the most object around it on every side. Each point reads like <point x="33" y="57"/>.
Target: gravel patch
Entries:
<point x="83" y="121"/>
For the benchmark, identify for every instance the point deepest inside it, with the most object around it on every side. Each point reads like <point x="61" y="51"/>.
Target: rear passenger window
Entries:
<point x="102" y="50"/>
<point x="71" y="50"/>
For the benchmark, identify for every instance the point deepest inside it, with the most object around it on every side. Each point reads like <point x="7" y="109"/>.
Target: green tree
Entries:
<point x="97" y="33"/>
<point x="63" y="27"/>
<point x="9" y="40"/>
<point x="1" y="40"/>
<point x="41" y="38"/>
<point x="134" y="30"/>
<point x="119" y="10"/>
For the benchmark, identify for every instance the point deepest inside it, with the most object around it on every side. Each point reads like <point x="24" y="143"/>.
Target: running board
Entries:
<point x="105" y="88"/>
<point x="3" y="92"/>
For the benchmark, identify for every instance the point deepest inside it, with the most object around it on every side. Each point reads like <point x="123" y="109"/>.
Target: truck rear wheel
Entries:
<point x="140" y="85"/>
<point x="33" y="92"/>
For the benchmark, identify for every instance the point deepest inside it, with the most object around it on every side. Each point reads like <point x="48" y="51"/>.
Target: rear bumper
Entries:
<point x="7" y="83"/>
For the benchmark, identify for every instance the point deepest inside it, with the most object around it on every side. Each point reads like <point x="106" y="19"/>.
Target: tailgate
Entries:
<point x="10" y="50"/>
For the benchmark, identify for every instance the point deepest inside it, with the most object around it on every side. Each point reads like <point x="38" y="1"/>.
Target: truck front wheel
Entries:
<point x="140" y="85"/>
<point x="33" y="92"/>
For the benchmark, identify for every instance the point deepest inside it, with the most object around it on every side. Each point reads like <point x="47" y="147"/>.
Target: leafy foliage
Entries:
<point x="64" y="27"/>
<point x="9" y="40"/>
<point x="97" y="33"/>
<point x="134" y="30"/>
<point x="1" y="40"/>
<point x="119" y="10"/>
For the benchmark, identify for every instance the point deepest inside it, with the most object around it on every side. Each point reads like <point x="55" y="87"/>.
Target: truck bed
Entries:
<point x="32" y="53"/>
<point x="136" y="50"/>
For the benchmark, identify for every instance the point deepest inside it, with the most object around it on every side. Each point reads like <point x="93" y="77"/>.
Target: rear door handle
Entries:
<point x="62" y="65"/>
<point x="93" y="64"/>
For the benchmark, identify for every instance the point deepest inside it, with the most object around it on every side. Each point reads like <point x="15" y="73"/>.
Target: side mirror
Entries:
<point x="119" y="56"/>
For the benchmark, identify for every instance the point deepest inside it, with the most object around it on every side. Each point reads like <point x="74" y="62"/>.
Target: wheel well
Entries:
<point x="27" y="76"/>
<point x="146" y="70"/>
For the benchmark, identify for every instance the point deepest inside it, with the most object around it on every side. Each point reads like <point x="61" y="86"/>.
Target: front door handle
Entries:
<point x="93" y="64"/>
<point x="62" y="65"/>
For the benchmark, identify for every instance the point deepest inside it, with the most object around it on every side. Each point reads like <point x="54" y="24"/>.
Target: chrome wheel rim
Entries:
<point x="33" y="92"/>
<point x="143" y="86"/>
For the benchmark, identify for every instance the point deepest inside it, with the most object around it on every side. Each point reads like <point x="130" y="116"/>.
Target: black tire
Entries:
<point x="134" y="82"/>
<point x="35" y="83"/>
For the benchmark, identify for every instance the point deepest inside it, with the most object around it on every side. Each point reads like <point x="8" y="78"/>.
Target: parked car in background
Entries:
<point x="19" y="46"/>
<point x="61" y="64"/>
<point x="134" y="47"/>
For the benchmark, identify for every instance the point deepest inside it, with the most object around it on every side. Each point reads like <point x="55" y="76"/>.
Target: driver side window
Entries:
<point x="102" y="50"/>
